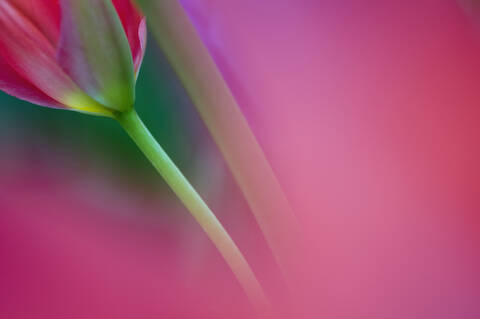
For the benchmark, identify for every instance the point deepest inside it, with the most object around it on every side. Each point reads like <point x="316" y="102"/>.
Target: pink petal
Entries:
<point x="12" y="83"/>
<point x="32" y="56"/>
<point x="135" y="28"/>
<point x="44" y="14"/>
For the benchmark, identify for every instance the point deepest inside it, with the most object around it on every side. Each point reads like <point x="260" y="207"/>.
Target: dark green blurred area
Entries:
<point x="160" y="101"/>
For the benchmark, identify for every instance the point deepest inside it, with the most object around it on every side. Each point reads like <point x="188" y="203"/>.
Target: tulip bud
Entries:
<point x="77" y="54"/>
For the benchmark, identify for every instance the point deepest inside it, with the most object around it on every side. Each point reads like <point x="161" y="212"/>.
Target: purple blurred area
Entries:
<point x="369" y="114"/>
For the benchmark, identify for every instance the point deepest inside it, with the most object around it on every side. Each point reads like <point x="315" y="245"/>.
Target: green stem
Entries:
<point x="220" y="112"/>
<point x="194" y="203"/>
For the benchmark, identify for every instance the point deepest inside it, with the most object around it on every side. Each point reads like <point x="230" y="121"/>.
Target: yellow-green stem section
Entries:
<point x="219" y="110"/>
<point x="194" y="203"/>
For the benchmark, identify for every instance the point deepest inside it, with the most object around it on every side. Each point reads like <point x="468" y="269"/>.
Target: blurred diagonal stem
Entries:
<point x="194" y="203"/>
<point x="217" y="107"/>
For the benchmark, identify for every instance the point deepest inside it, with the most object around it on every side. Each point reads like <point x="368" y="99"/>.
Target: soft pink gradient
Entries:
<point x="369" y="113"/>
<point x="72" y="245"/>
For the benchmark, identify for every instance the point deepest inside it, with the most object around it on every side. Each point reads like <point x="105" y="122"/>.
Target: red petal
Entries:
<point x="31" y="55"/>
<point x="12" y="83"/>
<point x="44" y="14"/>
<point x="133" y="22"/>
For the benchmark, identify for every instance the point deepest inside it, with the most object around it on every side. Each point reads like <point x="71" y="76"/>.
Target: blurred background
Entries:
<point x="93" y="199"/>
<point x="369" y="114"/>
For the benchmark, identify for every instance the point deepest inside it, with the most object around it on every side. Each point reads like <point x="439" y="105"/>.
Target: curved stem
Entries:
<point x="216" y="105"/>
<point x="194" y="203"/>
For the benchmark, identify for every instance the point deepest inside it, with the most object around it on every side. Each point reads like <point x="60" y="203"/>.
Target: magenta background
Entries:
<point x="369" y="113"/>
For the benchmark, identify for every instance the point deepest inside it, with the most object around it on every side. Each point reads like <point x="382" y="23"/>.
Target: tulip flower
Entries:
<point x="85" y="55"/>
<point x="79" y="55"/>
